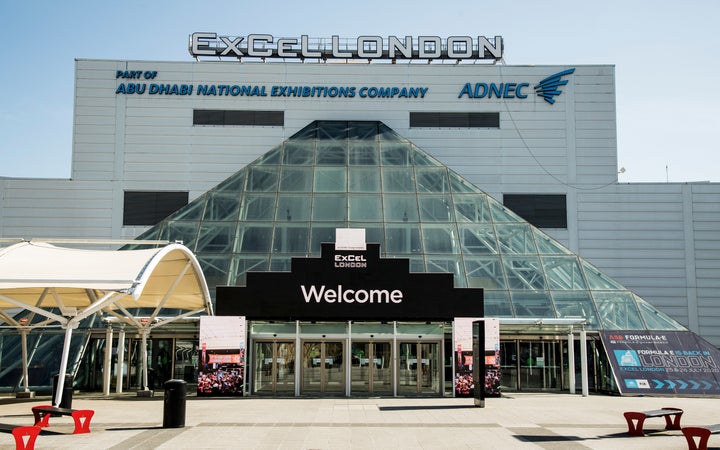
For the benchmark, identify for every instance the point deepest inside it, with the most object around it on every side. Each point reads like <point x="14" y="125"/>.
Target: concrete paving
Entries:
<point x="515" y="420"/>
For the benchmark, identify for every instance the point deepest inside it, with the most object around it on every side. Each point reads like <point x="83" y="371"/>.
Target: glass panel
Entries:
<point x="432" y="180"/>
<point x="258" y="207"/>
<point x="366" y="208"/>
<point x="332" y="131"/>
<point x="185" y="232"/>
<point x="360" y="367"/>
<point x="420" y="158"/>
<point x="233" y="184"/>
<point x="312" y="367"/>
<point x="524" y="273"/>
<point x="243" y="264"/>
<point x="296" y="179"/>
<point x="400" y="208"/>
<point x="372" y="328"/>
<point x="435" y="208"/>
<point x="440" y="239"/>
<point x="408" y="369"/>
<point x="618" y="311"/>
<point x="291" y="238"/>
<point x="216" y="237"/>
<point x="330" y="179"/>
<point x="323" y="367"/>
<point x="193" y="211"/>
<point x="285" y="368"/>
<point x="329" y="207"/>
<point x="280" y="263"/>
<point x="322" y="233"/>
<point x="509" y="365"/>
<point x="299" y="152"/>
<point x="502" y="214"/>
<point x="395" y="153"/>
<point x="471" y="208"/>
<point x="382" y="369"/>
<point x="656" y="319"/>
<point x="262" y="178"/>
<point x="563" y="273"/>
<point x="364" y="153"/>
<point x="429" y="369"/>
<point x="484" y="272"/>
<point x="478" y="239"/>
<point x="215" y="269"/>
<point x="576" y="305"/>
<point x="403" y="239"/>
<point x="374" y="235"/>
<point x="222" y="206"/>
<point x="254" y="239"/>
<point x="497" y="304"/>
<point x="332" y="153"/>
<point x="516" y="238"/>
<point x="363" y="180"/>
<point x="324" y="328"/>
<point x="398" y="180"/>
<point x="271" y="157"/>
<point x="293" y="208"/>
<point x="598" y="280"/>
<point x="334" y="368"/>
<point x="540" y="364"/>
<point x="532" y="304"/>
<point x="272" y="328"/>
<point x="263" y="379"/>
<point x="461" y="185"/>
<point x="425" y="329"/>
<point x="448" y="265"/>
<point x="547" y="245"/>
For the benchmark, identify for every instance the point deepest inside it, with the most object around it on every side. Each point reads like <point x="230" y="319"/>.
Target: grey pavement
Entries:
<point x="515" y="420"/>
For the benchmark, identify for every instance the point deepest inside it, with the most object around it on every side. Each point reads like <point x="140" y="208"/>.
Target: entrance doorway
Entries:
<point x="274" y="368"/>
<point x="371" y="368"/>
<point x="419" y="368"/>
<point x="323" y="368"/>
<point x="532" y="365"/>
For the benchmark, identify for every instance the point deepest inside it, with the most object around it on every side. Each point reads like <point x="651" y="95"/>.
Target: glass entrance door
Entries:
<point x="540" y="365"/>
<point x="274" y="368"/>
<point x="371" y="369"/>
<point x="323" y="369"/>
<point x="419" y="371"/>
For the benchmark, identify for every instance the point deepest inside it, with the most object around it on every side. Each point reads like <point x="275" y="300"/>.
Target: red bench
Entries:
<point x="24" y="436"/>
<point x="702" y="433"/>
<point x="81" y="417"/>
<point x="636" y="429"/>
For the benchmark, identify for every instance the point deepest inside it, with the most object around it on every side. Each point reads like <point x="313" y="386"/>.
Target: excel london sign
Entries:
<point x="364" y="47"/>
<point x="349" y="285"/>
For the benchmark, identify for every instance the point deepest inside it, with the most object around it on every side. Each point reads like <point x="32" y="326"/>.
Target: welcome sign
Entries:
<point x="349" y="285"/>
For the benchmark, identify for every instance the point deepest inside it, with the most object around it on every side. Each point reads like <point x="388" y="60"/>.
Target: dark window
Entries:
<point x="454" y="120"/>
<point x="149" y="208"/>
<point x="541" y="210"/>
<point x="238" y="117"/>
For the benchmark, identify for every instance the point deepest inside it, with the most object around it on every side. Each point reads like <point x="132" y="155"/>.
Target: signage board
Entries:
<point x="463" y="336"/>
<point x="663" y="362"/>
<point x="221" y="370"/>
<point x="349" y="285"/>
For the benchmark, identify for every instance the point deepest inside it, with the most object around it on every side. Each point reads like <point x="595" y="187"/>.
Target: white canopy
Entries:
<point x="42" y="278"/>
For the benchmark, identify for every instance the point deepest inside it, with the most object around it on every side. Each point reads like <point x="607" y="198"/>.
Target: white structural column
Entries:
<point x="143" y="352"/>
<point x="571" y="362"/>
<point x="23" y="343"/>
<point x="584" y="361"/>
<point x="120" y="361"/>
<point x="107" y="365"/>
<point x="63" y="363"/>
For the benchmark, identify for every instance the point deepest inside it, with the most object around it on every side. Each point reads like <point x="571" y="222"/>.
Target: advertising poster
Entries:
<point x="464" y="383"/>
<point x="221" y="370"/>
<point x="663" y="362"/>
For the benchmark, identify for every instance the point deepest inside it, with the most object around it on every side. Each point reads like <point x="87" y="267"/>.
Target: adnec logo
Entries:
<point x="548" y="88"/>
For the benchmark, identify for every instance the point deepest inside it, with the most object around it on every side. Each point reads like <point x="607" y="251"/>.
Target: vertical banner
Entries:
<point x="463" y="356"/>
<point x="221" y="370"/>
<point x="663" y="362"/>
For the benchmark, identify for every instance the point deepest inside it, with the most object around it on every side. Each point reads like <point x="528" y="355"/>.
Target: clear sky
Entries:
<point x="666" y="56"/>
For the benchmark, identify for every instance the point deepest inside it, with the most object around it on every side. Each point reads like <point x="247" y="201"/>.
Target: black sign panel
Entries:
<point x="349" y="285"/>
<point x="663" y="362"/>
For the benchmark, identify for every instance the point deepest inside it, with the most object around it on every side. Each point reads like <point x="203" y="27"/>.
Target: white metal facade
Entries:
<point x="661" y="240"/>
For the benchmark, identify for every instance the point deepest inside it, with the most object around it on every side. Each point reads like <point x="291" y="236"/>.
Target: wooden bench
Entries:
<point x="670" y="424"/>
<point x="703" y="433"/>
<point x="81" y="417"/>
<point x="24" y="435"/>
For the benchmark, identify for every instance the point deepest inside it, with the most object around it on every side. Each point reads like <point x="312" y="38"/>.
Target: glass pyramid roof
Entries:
<point x="347" y="174"/>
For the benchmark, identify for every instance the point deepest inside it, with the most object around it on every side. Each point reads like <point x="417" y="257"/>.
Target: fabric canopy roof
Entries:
<point x="40" y="276"/>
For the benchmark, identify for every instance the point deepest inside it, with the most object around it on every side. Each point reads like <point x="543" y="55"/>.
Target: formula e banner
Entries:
<point x="663" y="362"/>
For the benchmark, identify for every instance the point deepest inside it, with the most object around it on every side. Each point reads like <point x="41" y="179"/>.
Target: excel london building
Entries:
<point x="481" y="190"/>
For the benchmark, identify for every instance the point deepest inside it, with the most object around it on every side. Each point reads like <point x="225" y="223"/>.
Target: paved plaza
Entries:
<point x="516" y="420"/>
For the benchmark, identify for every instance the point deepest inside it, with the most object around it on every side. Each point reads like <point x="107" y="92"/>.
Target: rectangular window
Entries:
<point x="149" y="208"/>
<point x="238" y="117"/>
<point x="454" y="120"/>
<point x="541" y="210"/>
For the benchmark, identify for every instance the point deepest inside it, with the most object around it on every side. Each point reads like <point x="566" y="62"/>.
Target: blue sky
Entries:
<point x="666" y="54"/>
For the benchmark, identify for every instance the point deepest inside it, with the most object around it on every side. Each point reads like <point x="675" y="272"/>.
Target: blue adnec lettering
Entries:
<point x="493" y="90"/>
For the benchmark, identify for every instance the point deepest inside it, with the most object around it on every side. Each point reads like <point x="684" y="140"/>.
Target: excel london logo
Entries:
<point x="548" y="88"/>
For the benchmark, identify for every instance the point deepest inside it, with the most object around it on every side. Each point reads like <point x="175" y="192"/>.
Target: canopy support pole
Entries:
<point x="571" y="361"/>
<point x="120" y="361"/>
<point x="23" y="341"/>
<point x="63" y="363"/>
<point x="107" y="365"/>
<point x="584" y="361"/>
<point x="143" y="352"/>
